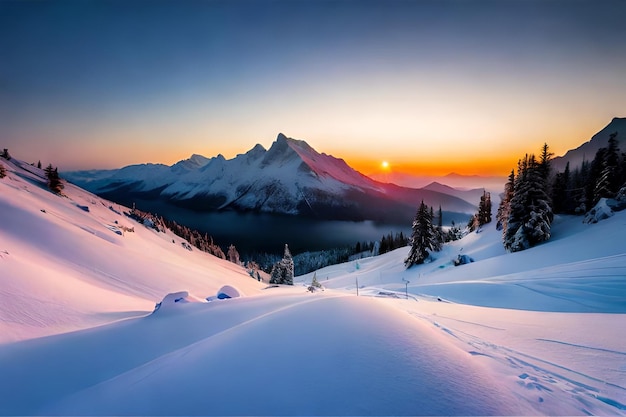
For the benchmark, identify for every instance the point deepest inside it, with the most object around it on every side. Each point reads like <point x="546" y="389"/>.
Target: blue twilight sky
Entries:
<point x="430" y="86"/>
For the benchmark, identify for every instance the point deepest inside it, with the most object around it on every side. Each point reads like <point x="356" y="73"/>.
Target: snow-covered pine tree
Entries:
<point x="595" y="172"/>
<point x="283" y="270"/>
<point x="289" y="269"/>
<point x="423" y="237"/>
<point x="315" y="284"/>
<point x="531" y="213"/>
<point x="516" y="209"/>
<point x="504" y="209"/>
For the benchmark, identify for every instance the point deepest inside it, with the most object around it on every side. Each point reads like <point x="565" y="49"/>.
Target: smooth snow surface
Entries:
<point x="538" y="332"/>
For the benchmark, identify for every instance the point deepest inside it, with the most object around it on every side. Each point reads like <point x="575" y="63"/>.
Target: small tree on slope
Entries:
<point x="504" y="209"/>
<point x="282" y="271"/>
<point x="233" y="254"/>
<point x="484" y="209"/>
<point x="54" y="181"/>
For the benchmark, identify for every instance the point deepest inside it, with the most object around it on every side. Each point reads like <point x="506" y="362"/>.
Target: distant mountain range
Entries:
<point x="587" y="151"/>
<point x="457" y="182"/>
<point x="290" y="178"/>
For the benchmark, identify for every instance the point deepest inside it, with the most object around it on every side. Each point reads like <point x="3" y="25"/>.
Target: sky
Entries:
<point x="432" y="87"/>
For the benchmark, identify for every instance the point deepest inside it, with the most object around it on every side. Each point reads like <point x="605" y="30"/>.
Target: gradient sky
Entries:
<point x="431" y="86"/>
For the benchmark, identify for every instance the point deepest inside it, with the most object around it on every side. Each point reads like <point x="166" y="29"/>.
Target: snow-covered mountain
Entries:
<point x="537" y="332"/>
<point x="289" y="178"/>
<point x="587" y="151"/>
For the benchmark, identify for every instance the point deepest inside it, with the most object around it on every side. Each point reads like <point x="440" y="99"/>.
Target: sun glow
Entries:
<point x="384" y="165"/>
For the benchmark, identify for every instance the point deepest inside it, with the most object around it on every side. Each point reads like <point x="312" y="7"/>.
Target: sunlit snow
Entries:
<point x="538" y="332"/>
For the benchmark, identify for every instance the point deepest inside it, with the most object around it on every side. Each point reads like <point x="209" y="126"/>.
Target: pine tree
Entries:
<point x="233" y="255"/>
<point x="315" y="284"/>
<point x="608" y="181"/>
<point x="39" y="164"/>
<point x="439" y="229"/>
<point x="423" y="237"/>
<point x="504" y="209"/>
<point x="484" y="210"/>
<point x="283" y="270"/>
<point x="592" y="188"/>
<point x="289" y="270"/>
<point x="544" y="163"/>
<point x="580" y="179"/>
<point x="3" y="171"/>
<point x="54" y="181"/>
<point x="384" y="245"/>
<point x="561" y="192"/>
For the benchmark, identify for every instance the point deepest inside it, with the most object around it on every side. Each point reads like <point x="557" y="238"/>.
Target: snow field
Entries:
<point x="532" y="333"/>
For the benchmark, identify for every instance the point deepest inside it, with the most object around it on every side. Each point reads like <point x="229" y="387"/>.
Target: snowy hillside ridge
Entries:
<point x="289" y="178"/>
<point x="64" y="268"/>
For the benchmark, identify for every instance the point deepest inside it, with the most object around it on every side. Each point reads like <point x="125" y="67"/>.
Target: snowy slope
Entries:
<point x="259" y="356"/>
<point x="64" y="268"/>
<point x="547" y="319"/>
<point x="532" y="333"/>
<point x="289" y="178"/>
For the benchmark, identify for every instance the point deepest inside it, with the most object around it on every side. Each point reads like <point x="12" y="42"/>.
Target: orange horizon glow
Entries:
<point x="98" y="155"/>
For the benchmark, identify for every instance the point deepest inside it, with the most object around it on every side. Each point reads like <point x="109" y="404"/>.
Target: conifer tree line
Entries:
<point x="427" y="234"/>
<point x="391" y="242"/>
<point x="204" y="243"/>
<point x="534" y="194"/>
<point x="578" y="191"/>
<point x="525" y="212"/>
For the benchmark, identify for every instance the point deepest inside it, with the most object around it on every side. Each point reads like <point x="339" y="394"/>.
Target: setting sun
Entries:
<point x="384" y="165"/>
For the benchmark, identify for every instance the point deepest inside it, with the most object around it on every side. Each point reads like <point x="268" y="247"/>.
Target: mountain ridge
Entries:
<point x="587" y="150"/>
<point x="289" y="178"/>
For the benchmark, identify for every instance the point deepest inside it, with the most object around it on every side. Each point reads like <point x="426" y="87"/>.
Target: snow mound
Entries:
<point x="601" y="211"/>
<point x="228" y="291"/>
<point x="606" y="207"/>
<point x="174" y="299"/>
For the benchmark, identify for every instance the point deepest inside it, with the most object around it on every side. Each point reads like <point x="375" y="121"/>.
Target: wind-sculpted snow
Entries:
<point x="304" y="355"/>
